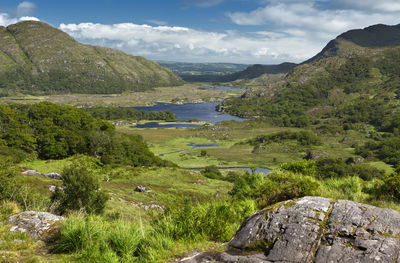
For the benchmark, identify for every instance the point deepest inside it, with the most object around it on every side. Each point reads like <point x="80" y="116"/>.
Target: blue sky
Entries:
<point x="241" y="31"/>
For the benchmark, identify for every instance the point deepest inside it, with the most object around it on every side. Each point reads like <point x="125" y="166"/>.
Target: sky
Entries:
<point x="235" y="31"/>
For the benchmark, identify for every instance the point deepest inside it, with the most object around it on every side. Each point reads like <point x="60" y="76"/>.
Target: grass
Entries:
<point x="186" y="93"/>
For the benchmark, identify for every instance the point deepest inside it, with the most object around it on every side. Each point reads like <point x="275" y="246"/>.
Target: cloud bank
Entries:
<point x="186" y="44"/>
<point x="285" y="30"/>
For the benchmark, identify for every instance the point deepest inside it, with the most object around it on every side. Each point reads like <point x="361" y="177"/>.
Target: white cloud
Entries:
<point x="156" y="22"/>
<point x="6" y="19"/>
<point x="202" y="3"/>
<point x="25" y="8"/>
<point x="186" y="44"/>
<point x="21" y="13"/>
<point x="318" y="21"/>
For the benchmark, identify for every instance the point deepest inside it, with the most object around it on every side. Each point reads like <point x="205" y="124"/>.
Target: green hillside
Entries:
<point x="358" y="88"/>
<point x="37" y="58"/>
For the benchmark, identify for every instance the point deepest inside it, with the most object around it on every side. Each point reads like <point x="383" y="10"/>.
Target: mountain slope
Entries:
<point x="370" y="37"/>
<point x="347" y="86"/>
<point x="35" y="57"/>
<point x="257" y="70"/>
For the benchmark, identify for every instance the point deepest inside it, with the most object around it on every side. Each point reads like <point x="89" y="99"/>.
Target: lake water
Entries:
<point x="204" y="112"/>
<point x="194" y="145"/>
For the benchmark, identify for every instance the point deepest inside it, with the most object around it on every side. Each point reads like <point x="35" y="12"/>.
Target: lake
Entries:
<point x="204" y="112"/>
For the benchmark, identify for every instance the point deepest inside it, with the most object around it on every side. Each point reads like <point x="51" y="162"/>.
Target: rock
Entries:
<point x="52" y="188"/>
<point x="32" y="173"/>
<point x="355" y="160"/>
<point x="316" y="229"/>
<point x="315" y="155"/>
<point x="55" y="176"/>
<point x="141" y="189"/>
<point x="38" y="225"/>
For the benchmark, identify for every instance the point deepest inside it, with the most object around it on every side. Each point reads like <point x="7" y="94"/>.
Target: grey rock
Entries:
<point x="52" y="188"/>
<point x="32" y="173"/>
<point x="141" y="189"/>
<point x="55" y="176"/>
<point x="38" y="225"/>
<point x="316" y="229"/>
<point x="315" y="155"/>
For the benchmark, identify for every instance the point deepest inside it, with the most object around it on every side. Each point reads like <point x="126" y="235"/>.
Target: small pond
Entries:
<point x="194" y="145"/>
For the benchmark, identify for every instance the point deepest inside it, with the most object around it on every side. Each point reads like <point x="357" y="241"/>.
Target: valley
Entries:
<point x="144" y="167"/>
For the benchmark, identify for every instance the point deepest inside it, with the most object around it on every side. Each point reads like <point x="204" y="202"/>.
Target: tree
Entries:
<point x="80" y="190"/>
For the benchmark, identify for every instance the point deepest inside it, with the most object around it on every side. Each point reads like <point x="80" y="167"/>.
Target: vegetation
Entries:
<point x="340" y="112"/>
<point x="80" y="191"/>
<point x="54" y="132"/>
<point x="119" y="113"/>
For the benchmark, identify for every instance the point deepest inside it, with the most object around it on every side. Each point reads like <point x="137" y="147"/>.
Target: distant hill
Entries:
<point x="257" y="70"/>
<point x="207" y="72"/>
<point x="37" y="58"/>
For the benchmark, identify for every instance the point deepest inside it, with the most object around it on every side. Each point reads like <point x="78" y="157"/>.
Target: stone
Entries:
<point x="316" y="229"/>
<point x="315" y="155"/>
<point x="52" y="188"/>
<point x="32" y="173"/>
<point x="39" y="225"/>
<point x="141" y="189"/>
<point x="55" y="176"/>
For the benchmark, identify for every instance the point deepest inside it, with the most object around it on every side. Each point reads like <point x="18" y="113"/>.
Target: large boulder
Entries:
<point x="38" y="225"/>
<point x="316" y="229"/>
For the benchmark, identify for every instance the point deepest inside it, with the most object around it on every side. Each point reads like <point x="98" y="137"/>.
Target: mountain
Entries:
<point x="370" y="37"/>
<point x="353" y="81"/>
<point x="184" y="69"/>
<point x="37" y="58"/>
<point x="257" y="70"/>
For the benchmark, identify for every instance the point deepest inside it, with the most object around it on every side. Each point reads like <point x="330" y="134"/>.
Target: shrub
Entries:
<point x="80" y="190"/>
<point x="212" y="172"/>
<point x="391" y="185"/>
<point x="281" y="186"/>
<point x="305" y="167"/>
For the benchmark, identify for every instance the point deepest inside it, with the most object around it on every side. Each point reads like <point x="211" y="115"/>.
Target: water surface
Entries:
<point x="204" y="112"/>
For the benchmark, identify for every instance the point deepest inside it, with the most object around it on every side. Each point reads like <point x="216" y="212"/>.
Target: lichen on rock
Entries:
<point x="39" y="225"/>
<point x="316" y="229"/>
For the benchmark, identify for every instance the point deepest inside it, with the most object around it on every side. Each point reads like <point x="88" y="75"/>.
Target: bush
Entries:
<point x="282" y="186"/>
<point x="80" y="190"/>
<point x="391" y="185"/>
<point x="305" y="167"/>
<point x="212" y="172"/>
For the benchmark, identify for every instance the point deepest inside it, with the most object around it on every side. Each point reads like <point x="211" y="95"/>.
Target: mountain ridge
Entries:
<point x="37" y="58"/>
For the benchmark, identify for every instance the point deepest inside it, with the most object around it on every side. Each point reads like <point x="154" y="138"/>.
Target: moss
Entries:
<point x="259" y="246"/>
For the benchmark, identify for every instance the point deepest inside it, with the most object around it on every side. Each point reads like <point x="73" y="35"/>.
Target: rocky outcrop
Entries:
<point x="316" y="229"/>
<point x="38" y="225"/>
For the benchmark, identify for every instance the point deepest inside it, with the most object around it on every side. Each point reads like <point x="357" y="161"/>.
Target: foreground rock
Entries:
<point x="38" y="225"/>
<point x="316" y="229"/>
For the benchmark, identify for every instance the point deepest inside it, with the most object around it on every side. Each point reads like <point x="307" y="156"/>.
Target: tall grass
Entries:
<point x="96" y="240"/>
